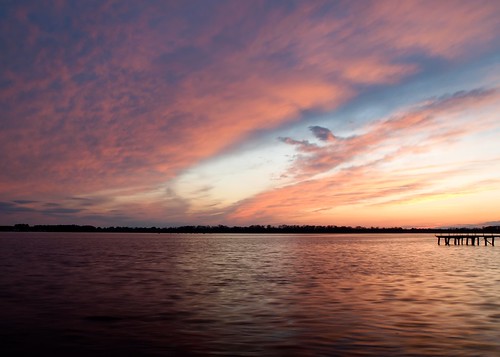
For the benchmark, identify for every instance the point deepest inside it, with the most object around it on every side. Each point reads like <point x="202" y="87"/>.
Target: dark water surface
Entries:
<point x="250" y="295"/>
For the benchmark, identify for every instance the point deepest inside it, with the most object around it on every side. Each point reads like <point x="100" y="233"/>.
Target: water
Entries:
<point x="250" y="295"/>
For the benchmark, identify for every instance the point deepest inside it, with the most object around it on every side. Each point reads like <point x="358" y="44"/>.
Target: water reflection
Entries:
<point x="247" y="295"/>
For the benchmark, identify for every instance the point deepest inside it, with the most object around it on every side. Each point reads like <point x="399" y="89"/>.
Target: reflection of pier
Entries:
<point x="473" y="238"/>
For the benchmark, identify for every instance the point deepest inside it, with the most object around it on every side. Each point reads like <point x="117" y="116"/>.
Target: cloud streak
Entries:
<point x="430" y="122"/>
<point x="328" y="178"/>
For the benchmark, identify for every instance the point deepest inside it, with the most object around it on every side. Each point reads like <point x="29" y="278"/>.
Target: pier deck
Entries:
<point x="473" y="238"/>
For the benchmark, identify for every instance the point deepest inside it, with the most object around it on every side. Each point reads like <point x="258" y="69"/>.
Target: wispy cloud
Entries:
<point x="431" y="122"/>
<point x="327" y="177"/>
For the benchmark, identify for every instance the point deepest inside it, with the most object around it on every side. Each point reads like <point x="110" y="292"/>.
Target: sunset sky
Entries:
<point x="166" y="113"/>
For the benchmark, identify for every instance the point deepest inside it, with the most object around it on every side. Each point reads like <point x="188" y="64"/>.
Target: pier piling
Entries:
<point x="474" y="238"/>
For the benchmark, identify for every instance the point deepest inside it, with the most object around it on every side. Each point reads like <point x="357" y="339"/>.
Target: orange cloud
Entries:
<point x="367" y="196"/>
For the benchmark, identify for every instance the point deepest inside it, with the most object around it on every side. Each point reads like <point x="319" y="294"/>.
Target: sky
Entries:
<point x="168" y="113"/>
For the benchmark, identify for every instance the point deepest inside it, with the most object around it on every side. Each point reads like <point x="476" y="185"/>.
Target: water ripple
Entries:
<point x="254" y="295"/>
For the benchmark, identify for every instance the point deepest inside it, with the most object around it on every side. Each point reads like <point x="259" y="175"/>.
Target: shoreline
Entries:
<point x="253" y="229"/>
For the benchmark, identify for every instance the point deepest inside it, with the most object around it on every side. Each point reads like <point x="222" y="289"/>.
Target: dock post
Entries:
<point x="475" y="239"/>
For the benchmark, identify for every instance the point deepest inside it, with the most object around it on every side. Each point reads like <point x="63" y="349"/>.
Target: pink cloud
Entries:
<point x="362" y="188"/>
<point x="364" y="196"/>
<point x="449" y="29"/>
<point x="130" y="96"/>
<point x="430" y="119"/>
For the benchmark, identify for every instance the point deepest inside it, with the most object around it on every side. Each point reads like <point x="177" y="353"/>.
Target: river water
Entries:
<point x="109" y="294"/>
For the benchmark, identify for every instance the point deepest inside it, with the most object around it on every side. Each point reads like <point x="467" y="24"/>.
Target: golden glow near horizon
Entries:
<point x="160" y="118"/>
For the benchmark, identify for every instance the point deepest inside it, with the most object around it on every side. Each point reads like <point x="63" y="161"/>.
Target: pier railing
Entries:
<point x="472" y="238"/>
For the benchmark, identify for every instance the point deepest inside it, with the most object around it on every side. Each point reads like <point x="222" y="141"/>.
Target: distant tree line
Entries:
<point x="238" y="229"/>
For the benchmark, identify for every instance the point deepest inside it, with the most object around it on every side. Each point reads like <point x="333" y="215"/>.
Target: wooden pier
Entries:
<point x="473" y="238"/>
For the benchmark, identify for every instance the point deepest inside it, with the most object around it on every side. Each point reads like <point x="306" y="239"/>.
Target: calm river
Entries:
<point x="248" y="295"/>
